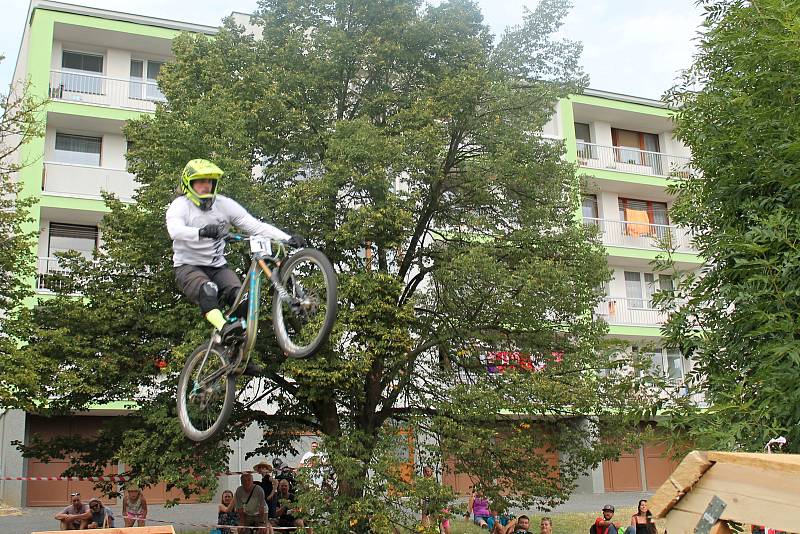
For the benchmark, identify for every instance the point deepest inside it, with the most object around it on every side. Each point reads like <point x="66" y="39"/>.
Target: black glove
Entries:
<point x="296" y="241"/>
<point x="213" y="231"/>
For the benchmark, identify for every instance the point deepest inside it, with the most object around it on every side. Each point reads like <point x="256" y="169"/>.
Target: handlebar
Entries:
<point x="233" y="238"/>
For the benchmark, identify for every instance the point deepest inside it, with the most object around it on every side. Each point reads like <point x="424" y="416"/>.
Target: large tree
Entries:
<point x="403" y="142"/>
<point x="742" y="320"/>
<point x="20" y="122"/>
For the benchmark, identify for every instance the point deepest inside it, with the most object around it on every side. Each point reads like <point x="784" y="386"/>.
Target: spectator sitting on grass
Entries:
<point x="642" y="520"/>
<point x="498" y="523"/>
<point x="546" y="526"/>
<point x="520" y="526"/>
<point x="479" y="508"/>
<point x="76" y="516"/>
<point x="102" y="517"/>
<point x="604" y="525"/>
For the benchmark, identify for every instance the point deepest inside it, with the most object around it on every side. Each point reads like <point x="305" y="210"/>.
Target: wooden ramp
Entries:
<point x="757" y="489"/>
<point x="163" y="529"/>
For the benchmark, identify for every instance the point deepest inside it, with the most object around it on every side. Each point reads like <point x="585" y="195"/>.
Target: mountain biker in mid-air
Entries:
<point x="198" y="222"/>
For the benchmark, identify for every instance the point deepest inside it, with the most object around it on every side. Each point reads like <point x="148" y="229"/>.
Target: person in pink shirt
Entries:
<point x="479" y="508"/>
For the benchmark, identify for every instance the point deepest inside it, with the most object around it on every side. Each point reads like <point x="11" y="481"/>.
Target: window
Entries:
<point x="640" y="287"/>
<point x="589" y="209"/>
<point x="640" y="215"/>
<point x="143" y="85"/>
<point x="583" y="136"/>
<point x="64" y="237"/>
<point x="85" y="72"/>
<point x="637" y="148"/>
<point x="79" y="149"/>
<point x="669" y="363"/>
<point x="582" y="133"/>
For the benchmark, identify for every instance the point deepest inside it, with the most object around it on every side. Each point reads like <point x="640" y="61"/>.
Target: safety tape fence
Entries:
<point x="105" y="478"/>
<point x="208" y="525"/>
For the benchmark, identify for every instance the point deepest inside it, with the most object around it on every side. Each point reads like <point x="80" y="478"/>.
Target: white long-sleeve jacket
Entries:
<point x="184" y="221"/>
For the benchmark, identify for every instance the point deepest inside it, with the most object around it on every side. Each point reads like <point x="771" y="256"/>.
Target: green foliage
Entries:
<point x="20" y="122"/>
<point x="402" y="142"/>
<point x="742" y="320"/>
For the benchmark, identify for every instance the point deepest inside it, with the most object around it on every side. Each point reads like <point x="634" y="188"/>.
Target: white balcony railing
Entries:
<point x="628" y="311"/>
<point x="45" y="268"/>
<point x="127" y="93"/>
<point x="631" y="160"/>
<point x="87" y="181"/>
<point x="642" y="235"/>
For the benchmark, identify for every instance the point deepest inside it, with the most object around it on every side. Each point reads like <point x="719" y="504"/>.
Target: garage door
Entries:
<point x="624" y="474"/>
<point x="56" y="493"/>
<point x="657" y="465"/>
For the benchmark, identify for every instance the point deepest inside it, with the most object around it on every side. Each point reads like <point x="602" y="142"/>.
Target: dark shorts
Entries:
<point x="190" y="278"/>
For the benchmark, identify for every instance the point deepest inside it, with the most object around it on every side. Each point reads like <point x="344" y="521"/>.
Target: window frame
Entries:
<point x="138" y="87"/>
<point x="99" y="153"/>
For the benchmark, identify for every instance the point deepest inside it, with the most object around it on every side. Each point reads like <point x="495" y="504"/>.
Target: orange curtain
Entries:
<point x="640" y="220"/>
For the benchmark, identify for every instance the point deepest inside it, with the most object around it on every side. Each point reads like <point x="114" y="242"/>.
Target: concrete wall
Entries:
<point x="12" y="427"/>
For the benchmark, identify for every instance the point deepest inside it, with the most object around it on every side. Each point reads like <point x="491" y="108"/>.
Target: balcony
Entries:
<point x="630" y="312"/>
<point x="45" y="268"/>
<point x="71" y="179"/>
<point x="125" y="93"/>
<point x="641" y="235"/>
<point x="630" y="160"/>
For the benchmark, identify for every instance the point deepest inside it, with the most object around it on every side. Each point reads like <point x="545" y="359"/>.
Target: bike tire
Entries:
<point x="287" y="345"/>
<point x="227" y="392"/>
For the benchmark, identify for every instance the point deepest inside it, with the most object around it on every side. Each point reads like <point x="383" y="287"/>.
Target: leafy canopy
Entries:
<point x="742" y="320"/>
<point x="402" y="141"/>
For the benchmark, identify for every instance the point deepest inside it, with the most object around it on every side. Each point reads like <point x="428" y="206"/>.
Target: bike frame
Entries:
<point x="251" y="290"/>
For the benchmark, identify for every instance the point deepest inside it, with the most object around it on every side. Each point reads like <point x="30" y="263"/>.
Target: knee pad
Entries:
<point x="209" y="293"/>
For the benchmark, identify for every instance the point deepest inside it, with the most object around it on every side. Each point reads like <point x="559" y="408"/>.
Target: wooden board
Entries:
<point x="163" y="529"/>
<point x="753" y="496"/>
<point x="686" y="475"/>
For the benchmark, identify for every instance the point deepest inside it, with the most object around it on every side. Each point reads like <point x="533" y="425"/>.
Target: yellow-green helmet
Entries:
<point x="201" y="169"/>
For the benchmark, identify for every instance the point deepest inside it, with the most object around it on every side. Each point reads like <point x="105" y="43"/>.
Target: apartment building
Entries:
<point x="99" y="68"/>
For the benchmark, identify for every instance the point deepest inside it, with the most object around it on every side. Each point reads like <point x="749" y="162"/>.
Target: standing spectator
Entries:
<point x="310" y="454"/>
<point x="268" y="485"/>
<point x="642" y="520"/>
<point x="546" y="526"/>
<point x="102" y="517"/>
<point x="226" y="512"/>
<point x="251" y="506"/>
<point x="604" y="525"/>
<point x="76" y="516"/>
<point x="286" y="511"/>
<point x="479" y="508"/>
<point x="134" y="507"/>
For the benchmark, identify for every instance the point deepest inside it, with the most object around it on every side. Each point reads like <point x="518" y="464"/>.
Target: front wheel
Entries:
<point x="303" y="317"/>
<point x="206" y="393"/>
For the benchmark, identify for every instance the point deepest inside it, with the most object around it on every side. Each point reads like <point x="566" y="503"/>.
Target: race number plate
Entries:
<point x="260" y="245"/>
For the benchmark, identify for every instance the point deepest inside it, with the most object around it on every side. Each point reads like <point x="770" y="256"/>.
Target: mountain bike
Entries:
<point x="303" y="313"/>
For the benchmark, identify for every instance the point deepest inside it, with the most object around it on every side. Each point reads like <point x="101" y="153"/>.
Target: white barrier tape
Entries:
<point x="109" y="478"/>
<point x="207" y="525"/>
<point x="104" y="478"/>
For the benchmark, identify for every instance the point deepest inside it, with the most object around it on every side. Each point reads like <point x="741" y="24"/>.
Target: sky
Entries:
<point x="634" y="47"/>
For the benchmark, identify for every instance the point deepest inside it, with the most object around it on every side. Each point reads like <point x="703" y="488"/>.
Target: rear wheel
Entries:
<point x="206" y="393"/>
<point x="304" y="317"/>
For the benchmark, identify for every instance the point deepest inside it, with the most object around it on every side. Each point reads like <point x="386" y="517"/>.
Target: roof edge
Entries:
<point x="64" y="7"/>
<point x="625" y="98"/>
